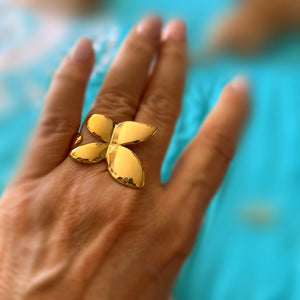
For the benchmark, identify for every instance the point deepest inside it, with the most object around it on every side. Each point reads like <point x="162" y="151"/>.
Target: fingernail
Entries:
<point x="83" y="50"/>
<point x="175" y="31"/>
<point x="240" y="83"/>
<point x="150" y="27"/>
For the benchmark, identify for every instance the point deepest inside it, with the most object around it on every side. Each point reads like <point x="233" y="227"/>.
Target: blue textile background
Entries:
<point x="249" y="245"/>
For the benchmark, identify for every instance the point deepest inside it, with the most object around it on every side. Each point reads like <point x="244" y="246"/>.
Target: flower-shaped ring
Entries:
<point x="123" y="165"/>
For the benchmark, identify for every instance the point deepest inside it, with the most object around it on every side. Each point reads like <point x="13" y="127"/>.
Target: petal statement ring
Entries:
<point x="123" y="165"/>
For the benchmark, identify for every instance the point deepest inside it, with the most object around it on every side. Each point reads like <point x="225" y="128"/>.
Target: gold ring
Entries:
<point x="123" y="165"/>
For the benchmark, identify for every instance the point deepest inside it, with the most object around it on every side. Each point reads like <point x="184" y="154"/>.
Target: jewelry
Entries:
<point x="123" y="165"/>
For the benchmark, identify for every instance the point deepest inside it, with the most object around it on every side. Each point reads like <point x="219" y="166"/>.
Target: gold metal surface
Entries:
<point x="127" y="133"/>
<point x="76" y="140"/>
<point x="123" y="165"/>
<point x="90" y="153"/>
<point x="101" y="127"/>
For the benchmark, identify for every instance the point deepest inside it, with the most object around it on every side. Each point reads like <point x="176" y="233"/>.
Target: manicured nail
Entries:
<point x="240" y="83"/>
<point x="175" y="31"/>
<point x="83" y="50"/>
<point x="150" y="27"/>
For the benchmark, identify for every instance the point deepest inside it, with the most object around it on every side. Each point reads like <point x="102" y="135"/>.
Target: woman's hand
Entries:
<point x="68" y="230"/>
<point x="68" y="7"/>
<point x="255" y="22"/>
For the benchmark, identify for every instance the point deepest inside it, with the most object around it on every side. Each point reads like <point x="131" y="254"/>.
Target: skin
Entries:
<point x="254" y="23"/>
<point x="66" y="7"/>
<point x="68" y="230"/>
<point x="248" y="29"/>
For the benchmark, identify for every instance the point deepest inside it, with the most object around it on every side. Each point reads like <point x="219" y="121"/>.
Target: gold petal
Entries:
<point x="90" y="153"/>
<point x="132" y="132"/>
<point x="101" y="126"/>
<point x="77" y="139"/>
<point x="125" y="167"/>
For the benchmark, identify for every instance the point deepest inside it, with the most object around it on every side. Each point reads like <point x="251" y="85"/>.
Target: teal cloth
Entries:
<point x="248" y="247"/>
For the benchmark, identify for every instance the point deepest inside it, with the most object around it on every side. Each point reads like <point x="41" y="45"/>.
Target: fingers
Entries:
<point x="61" y="114"/>
<point x="251" y="26"/>
<point x="161" y="102"/>
<point x="202" y="166"/>
<point x="122" y="89"/>
<point x="242" y="32"/>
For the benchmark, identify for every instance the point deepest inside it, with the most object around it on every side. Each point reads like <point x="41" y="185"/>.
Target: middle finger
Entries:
<point x="122" y="89"/>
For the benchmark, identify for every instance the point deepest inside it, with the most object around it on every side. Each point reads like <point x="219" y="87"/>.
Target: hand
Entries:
<point x="67" y="7"/>
<point x="255" y="23"/>
<point x="68" y="230"/>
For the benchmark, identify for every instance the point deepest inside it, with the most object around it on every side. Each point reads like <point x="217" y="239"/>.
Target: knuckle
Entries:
<point x="70" y="77"/>
<point x="160" y="104"/>
<point x="177" y="238"/>
<point x="139" y="46"/>
<point x="116" y="102"/>
<point x="55" y="124"/>
<point x="220" y="143"/>
<point x="202" y="182"/>
<point x="175" y="53"/>
<point x="173" y="235"/>
<point x="179" y="250"/>
<point x="15" y="214"/>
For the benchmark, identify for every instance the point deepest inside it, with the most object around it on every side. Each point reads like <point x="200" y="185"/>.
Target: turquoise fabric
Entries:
<point x="249" y="246"/>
